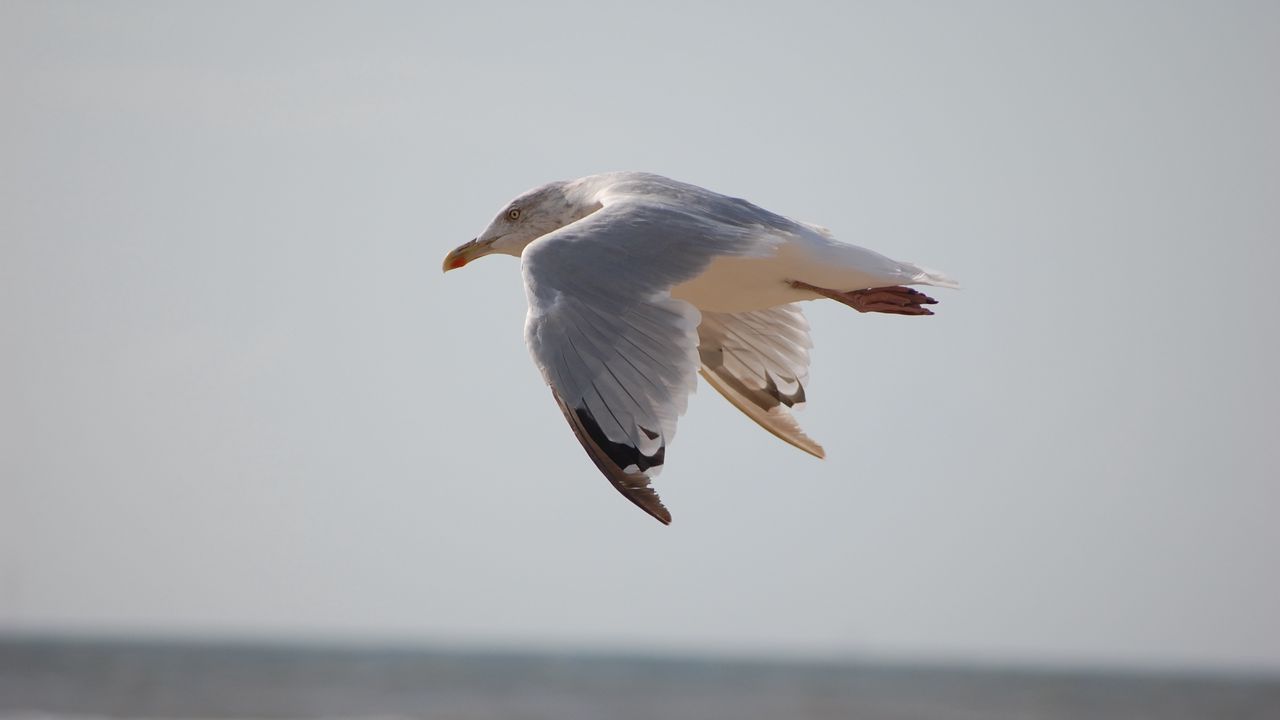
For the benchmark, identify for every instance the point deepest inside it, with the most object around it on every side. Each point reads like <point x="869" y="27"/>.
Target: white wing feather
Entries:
<point x="619" y="353"/>
<point x="759" y="361"/>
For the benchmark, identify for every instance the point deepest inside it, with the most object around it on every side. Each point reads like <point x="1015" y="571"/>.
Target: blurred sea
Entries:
<point x="46" y="679"/>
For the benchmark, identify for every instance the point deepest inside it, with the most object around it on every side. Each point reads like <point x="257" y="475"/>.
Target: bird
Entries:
<point x="637" y="284"/>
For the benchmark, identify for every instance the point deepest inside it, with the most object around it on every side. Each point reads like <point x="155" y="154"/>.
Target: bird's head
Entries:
<point x="523" y="220"/>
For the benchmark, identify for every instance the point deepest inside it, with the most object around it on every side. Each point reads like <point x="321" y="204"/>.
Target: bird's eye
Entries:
<point x="513" y="214"/>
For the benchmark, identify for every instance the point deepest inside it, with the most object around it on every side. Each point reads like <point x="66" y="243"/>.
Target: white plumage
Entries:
<point x="636" y="283"/>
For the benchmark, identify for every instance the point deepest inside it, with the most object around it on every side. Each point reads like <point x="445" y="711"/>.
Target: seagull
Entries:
<point x="638" y="283"/>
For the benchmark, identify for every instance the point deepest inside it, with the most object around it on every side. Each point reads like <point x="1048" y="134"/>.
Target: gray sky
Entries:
<point x="237" y="396"/>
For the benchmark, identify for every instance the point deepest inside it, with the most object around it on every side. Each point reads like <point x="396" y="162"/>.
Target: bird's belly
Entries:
<point x="741" y="284"/>
<point x="737" y="284"/>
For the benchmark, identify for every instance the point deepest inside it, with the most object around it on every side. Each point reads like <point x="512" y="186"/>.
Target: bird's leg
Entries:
<point x="896" y="300"/>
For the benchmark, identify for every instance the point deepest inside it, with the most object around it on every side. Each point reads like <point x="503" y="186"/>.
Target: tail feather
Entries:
<point x="925" y="276"/>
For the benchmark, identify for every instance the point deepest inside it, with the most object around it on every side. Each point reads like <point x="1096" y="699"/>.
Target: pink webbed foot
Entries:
<point x="895" y="300"/>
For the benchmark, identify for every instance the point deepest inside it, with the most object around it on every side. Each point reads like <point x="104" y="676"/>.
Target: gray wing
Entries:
<point x="759" y="361"/>
<point x="621" y="355"/>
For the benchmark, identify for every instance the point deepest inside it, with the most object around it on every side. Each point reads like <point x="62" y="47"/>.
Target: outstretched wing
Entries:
<point x="620" y="354"/>
<point x="759" y="361"/>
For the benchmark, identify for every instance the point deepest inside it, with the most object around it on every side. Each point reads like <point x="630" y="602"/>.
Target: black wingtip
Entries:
<point x="648" y="501"/>
<point x="622" y="454"/>
<point x="633" y="486"/>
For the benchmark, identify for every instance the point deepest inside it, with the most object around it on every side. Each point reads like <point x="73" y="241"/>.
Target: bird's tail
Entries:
<point x="925" y="276"/>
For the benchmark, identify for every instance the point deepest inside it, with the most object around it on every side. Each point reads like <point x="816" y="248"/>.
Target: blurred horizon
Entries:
<point x="137" y="679"/>
<point x="124" y="641"/>
<point x="321" y="642"/>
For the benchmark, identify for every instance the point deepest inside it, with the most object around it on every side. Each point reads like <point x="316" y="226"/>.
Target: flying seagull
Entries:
<point x="638" y="283"/>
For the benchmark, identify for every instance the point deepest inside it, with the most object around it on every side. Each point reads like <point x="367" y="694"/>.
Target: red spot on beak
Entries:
<point x="457" y="262"/>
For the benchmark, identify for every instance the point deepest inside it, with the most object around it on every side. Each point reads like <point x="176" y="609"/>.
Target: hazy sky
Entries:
<point x="237" y="396"/>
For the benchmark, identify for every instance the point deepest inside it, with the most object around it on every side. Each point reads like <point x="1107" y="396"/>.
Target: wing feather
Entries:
<point x="633" y="486"/>
<point x="620" y="354"/>
<point x="759" y="361"/>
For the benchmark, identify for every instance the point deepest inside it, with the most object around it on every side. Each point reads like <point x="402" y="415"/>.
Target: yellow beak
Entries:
<point x="465" y="253"/>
